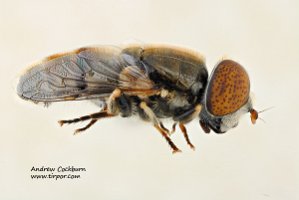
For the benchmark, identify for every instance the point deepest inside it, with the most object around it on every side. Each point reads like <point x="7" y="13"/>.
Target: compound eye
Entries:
<point x="228" y="88"/>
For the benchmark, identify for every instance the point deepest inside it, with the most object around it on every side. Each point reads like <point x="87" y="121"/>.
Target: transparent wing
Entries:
<point x="86" y="73"/>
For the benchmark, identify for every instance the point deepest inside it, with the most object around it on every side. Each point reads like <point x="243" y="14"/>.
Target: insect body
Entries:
<point x="154" y="82"/>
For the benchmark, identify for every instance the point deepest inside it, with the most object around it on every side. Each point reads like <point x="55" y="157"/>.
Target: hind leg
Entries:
<point x="109" y="111"/>
<point x="94" y="117"/>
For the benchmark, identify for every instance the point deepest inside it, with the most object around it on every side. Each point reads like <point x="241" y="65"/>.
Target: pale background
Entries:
<point x="128" y="159"/>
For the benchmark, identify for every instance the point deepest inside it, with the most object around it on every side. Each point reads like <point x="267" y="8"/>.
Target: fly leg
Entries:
<point x="110" y="111"/>
<point x="83" y="118"/>
<point x="151" y="115"/>
<point x="184" y="119"/>
<point x="94" y="117"/>
<point x="111" y="103"/>
<point x="189" y="115"/>
<point x="173" y="128"/>
<point x="92" y="122"/>
<point x="184" y="131"/>
<point x="164" y="128"/>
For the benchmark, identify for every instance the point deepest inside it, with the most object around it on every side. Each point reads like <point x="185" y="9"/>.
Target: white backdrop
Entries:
<point x="127" y="158"/>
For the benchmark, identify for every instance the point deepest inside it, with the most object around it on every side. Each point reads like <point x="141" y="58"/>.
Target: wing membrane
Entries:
<point x="87" y="73"/>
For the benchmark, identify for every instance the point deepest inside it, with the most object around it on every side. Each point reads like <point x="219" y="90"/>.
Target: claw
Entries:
<point x="61" y="122"/>
<point x="192" y="147"/>
<point x="176" y="151"/>
<point x="77" y="131"/>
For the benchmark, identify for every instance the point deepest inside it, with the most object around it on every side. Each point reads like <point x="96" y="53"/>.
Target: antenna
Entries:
<point x="266" y="109"/>
<point x="254" y="115"/>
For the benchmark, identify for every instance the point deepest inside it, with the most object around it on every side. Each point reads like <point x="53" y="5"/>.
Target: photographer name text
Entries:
<point x="57" y="173"/>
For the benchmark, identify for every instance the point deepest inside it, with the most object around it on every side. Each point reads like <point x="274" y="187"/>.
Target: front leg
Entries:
<point x="188" y="115"/>
<point x="184" y="131"/>
<point x="184" y="119"/>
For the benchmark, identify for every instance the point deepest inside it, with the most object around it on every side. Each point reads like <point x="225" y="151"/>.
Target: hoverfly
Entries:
<point x="154" y="82"/>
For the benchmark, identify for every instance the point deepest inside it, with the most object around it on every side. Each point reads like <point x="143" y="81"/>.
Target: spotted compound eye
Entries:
<point x="228" y="88"/>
